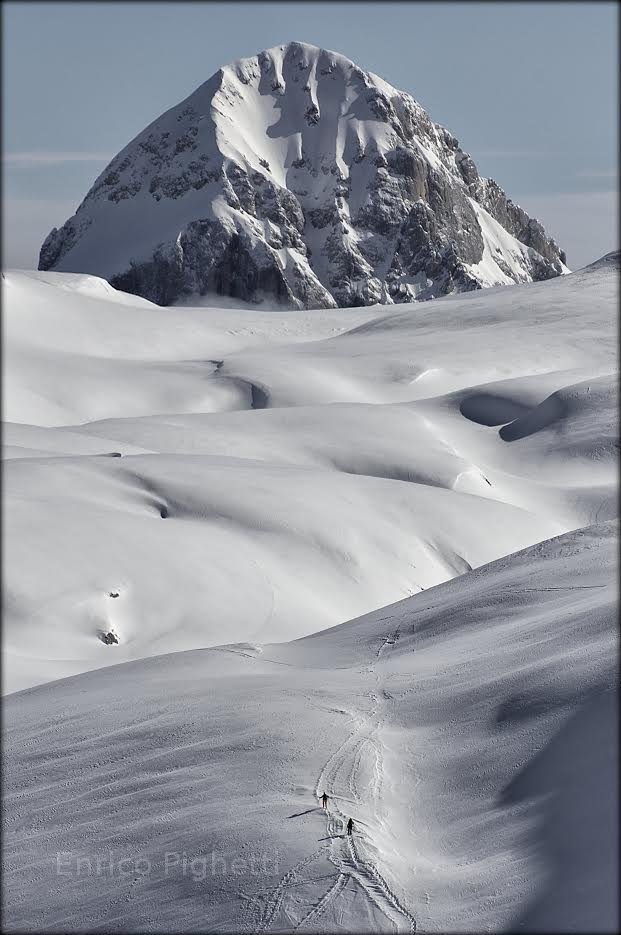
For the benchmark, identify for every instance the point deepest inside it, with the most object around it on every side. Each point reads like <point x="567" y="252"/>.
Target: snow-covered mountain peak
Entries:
<point x="293" y="175"/>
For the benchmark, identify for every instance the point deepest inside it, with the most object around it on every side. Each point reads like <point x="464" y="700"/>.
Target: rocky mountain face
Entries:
<point x="294" y="176"/>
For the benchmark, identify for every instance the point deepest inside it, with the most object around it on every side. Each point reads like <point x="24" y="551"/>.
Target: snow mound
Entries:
<point x="609" y="262"/>
<point x="568" y="411"/>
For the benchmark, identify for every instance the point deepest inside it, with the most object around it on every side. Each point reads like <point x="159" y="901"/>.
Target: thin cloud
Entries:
<point x="597" y="174"/>
<point x="514" y="153"/>
<point x="30" y="160"/>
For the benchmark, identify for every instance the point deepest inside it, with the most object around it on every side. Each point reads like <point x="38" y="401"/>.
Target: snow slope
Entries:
<point x="282" y="472"/>
<point x="469" y="731"/>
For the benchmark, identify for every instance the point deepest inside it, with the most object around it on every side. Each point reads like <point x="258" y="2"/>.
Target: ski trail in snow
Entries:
<point x="340" y="774"/>
<point x="344" y="854"/>
<point x="368" y="877"/>
<point x="328" y="897"/>
<point x="275" y="898"/>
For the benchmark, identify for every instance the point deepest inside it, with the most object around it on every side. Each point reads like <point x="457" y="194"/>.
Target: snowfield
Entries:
<point x="469" y="731"/>
<point x="371" y="552"/>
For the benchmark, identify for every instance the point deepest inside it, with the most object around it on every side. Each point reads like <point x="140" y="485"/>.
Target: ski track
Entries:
<point x="341" y="770"/>
<point x="276" y="897"/>
<point x="328" y="897"/>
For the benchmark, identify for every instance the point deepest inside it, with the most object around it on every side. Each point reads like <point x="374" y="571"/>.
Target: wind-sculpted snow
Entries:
<point x="247" y="475"/>
<point x="469" y="731"/>
<point x="229" y="502"/>
<point x="297" y="178"/>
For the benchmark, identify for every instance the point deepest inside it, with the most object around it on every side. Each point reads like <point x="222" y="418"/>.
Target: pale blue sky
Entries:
<point x="529" y="89"/>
